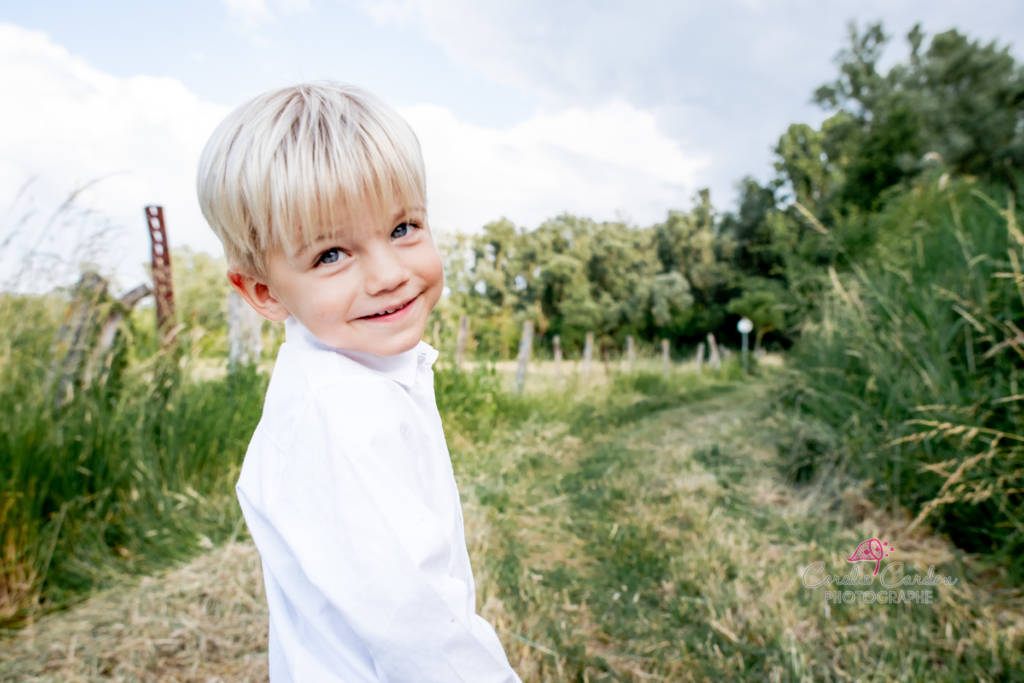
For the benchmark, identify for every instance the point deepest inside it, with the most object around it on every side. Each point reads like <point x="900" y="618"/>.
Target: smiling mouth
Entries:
<point x="389" y="311"/>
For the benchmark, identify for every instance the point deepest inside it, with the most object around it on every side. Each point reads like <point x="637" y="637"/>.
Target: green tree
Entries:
<point x="200" y="294"/>
<point x="957" y="101"/>
<point x="763" y="301"/>
<point x="692" y="244"/>
<point x="748" y="228"/>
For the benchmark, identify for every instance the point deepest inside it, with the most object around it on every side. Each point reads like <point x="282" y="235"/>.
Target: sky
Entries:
<point x="524" y="110"/>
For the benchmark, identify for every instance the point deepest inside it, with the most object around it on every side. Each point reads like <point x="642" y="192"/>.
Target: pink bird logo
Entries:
<point x="872" y="550"/>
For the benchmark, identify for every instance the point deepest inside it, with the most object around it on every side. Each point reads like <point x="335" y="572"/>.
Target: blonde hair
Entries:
<point x="283" y="165"/>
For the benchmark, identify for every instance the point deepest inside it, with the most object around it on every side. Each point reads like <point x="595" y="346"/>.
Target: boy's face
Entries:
<point x="369" y="261"/>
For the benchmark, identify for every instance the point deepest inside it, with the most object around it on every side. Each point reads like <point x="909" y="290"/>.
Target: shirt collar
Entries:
<point x="401" y="367"/>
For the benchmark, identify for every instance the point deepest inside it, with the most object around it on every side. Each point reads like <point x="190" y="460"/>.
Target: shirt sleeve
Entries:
<point x="361" y="554"/>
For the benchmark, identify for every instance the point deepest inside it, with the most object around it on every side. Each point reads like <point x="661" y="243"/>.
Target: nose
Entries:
<point x="384" y="270"/>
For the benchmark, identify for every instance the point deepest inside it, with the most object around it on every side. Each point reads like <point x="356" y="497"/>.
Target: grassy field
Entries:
<point x="909" y="376"/>
<point x="636" y="531"/>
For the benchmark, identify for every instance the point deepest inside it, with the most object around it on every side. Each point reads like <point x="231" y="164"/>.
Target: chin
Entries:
<point x="391" y="349"/>
<point x="396" y="346"/>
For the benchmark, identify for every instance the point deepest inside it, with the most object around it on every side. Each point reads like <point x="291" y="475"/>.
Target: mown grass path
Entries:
<point x="659" y="542"/>
<point x="643" y="537"/>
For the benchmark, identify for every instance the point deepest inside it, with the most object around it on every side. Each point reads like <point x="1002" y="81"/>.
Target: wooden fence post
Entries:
<point x="664" y="357"/>
<point x="588" y="353"/>
<point x="557" y="343"/>
<point x="630" y="353"/>
<point x="525" y="345"/>
<point x="86" y="339"/>
<point x="714" y="359"/>
<point x="99" y="361"/>
<point x="700" y="357"/>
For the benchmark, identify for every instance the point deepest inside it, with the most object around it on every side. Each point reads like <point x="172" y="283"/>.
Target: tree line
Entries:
<point x="952" y="104"/>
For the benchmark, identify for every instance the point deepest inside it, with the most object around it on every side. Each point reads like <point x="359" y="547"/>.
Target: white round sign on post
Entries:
<point x="744" y="325"/>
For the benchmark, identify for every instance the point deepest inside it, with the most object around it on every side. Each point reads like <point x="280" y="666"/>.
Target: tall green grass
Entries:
<point x="135" y="471"/>
<point x="913" y="376"/>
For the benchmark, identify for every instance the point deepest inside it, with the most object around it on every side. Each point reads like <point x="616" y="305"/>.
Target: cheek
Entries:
<point x="428" y="264"/>
<point x="437" y="284"/>
<point x="438" y="272"/>
<point x="330" y="302"/>
<point x="433" y="268"/>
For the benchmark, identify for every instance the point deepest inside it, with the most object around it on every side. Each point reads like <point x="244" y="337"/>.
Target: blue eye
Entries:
<point x="332" y="255"/>
<point x="402" y="230"/>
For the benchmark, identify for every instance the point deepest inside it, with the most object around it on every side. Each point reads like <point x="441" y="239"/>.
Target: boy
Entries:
<point x="317" y="194"/>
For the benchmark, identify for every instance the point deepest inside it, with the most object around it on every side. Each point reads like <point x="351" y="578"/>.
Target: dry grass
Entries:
<point x="668" y="548"/>
<point x="569" y="375"/>
<point x="204" y="621"/>
<point x="724" y="540"/>
<point x="543" y="375"/>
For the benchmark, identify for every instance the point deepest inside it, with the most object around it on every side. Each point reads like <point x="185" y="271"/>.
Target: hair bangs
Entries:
<point x="285" y="167"/>
<point x="342" y="168"/>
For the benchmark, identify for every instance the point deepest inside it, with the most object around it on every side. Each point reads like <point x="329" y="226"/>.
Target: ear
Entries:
<point x="259" y="296"/>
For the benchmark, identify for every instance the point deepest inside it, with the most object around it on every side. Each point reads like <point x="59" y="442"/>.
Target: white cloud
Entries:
<point x="663" y="53"/>
<point x="742" y="69"/>
<point x="71" y="124"/>
<point x="604" y="163"/>
<point x="66" y="124"/>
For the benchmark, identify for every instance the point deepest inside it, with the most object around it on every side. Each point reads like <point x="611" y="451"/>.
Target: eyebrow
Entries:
<point x="306" y="247"/>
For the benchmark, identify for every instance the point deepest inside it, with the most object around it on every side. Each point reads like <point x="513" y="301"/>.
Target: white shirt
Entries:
<point x="348" y="491"/>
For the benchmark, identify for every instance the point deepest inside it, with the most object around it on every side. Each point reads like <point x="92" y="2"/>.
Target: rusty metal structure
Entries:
<point x="162" y="282"/>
